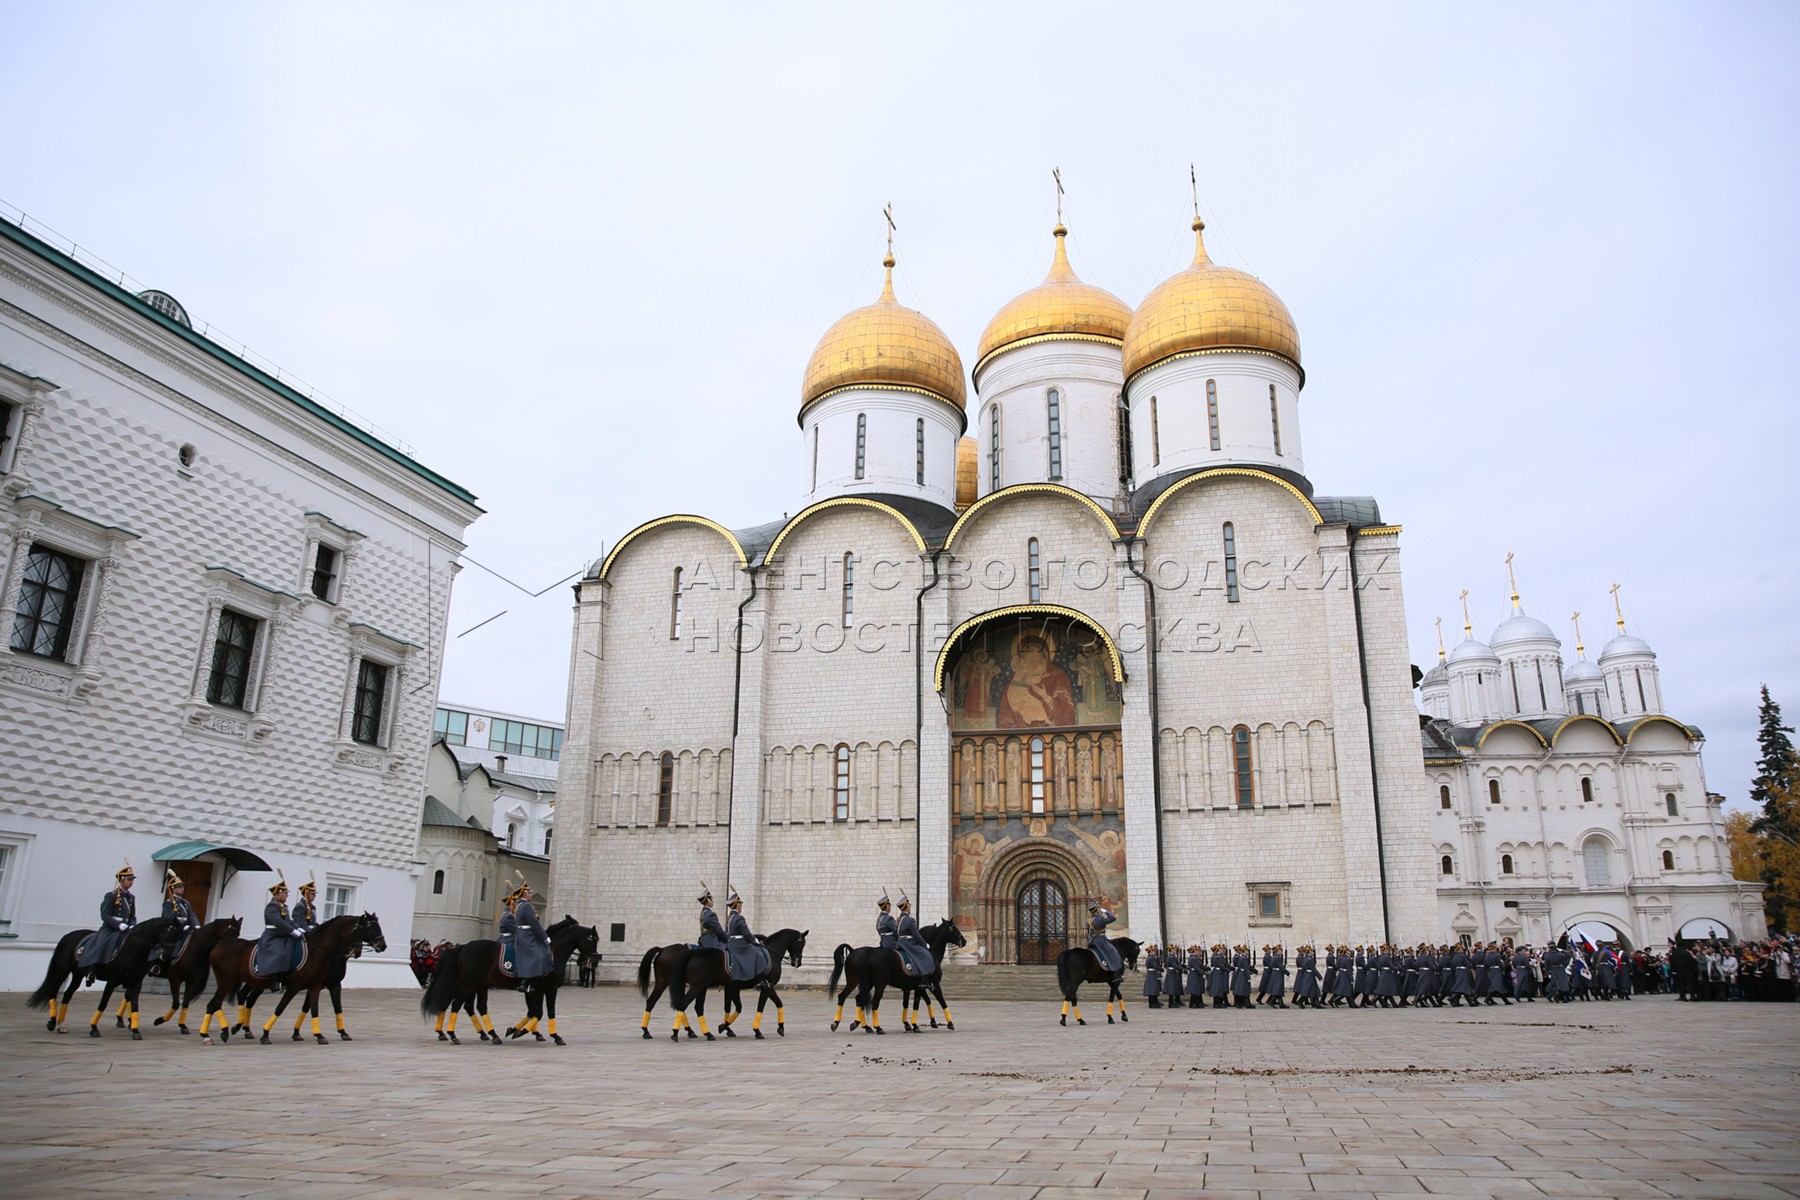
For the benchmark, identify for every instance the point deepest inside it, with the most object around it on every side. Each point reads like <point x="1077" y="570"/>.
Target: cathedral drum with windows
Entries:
<point x="1567" y="800"/>
<point x="1108" y="643"/>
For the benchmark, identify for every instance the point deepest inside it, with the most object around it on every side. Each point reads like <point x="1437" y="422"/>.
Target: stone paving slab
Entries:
<point x="1647" y="1099"/>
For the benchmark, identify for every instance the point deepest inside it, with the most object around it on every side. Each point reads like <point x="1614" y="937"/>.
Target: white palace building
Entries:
<point x="1108" y="643"/>
<point x="223" y="611"/>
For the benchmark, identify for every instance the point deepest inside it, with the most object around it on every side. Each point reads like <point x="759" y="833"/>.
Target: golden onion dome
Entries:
<point x="968" y="472"/>
<point x="1060" y="307"/>
<point x="1209" y="307"/>
<point x="886" y="345"/>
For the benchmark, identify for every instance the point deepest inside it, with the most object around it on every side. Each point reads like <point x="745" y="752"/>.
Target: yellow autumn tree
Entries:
<point x="1772" y="856"/>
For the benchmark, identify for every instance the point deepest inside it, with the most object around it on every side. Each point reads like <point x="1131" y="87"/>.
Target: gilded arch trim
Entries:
<point x="1606" y="725"/>
<point x="1225" y="473"/>
<point x="842" y="502"/>
<point x="1658" y="718"/>
<point x="1116" y="663"/>
<point x="1022" y="489"/>
<point x="675" y="519"/>
<point x="1488" y="732"/>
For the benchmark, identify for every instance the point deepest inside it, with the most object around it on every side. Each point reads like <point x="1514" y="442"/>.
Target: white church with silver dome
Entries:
<point x="1107" y="642"/>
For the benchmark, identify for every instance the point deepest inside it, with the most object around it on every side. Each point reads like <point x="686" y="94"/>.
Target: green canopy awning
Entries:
<point x="236" y="857"/>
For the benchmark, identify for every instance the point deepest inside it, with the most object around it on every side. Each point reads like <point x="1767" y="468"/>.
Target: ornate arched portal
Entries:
<point x="1036" y="782"/>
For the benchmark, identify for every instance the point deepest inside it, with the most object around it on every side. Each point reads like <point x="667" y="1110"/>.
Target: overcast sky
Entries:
<point x="1542" y="259"/>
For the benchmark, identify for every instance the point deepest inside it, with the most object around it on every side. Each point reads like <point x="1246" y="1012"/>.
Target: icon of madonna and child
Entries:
<point x="1033" y="673"/>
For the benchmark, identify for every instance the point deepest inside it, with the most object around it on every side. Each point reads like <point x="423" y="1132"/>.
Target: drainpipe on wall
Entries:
<point x="737" y="703"/>
<point x="1162" y="895"/>
<point x="1362" y="666"/>
<point x="919" y="724"/>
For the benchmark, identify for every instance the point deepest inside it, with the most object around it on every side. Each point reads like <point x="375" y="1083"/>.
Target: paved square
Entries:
<point x="1650" y="1098"/>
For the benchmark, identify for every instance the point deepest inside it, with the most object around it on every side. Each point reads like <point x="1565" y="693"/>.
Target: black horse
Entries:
<point x="187" y="970"/>
<point x="1129" y="949"/>
<point x="914" y="990"/>
<point x="1080" y="965"/>
<point x="703" y="970"/>
<point x="540" y="997"/>
<point x="656" y="971"/>
<point x="126" y="968"/>
<point x="871" y="970"/>
<point x="466" y="972"/>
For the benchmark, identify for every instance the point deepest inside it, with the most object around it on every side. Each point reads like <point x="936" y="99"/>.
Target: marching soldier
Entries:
<point x="1218" y="976"/>
<point x="280" y="946"/>
<point x="1240" y="977"/>
<point x="1275" y="980"/>
<point x="1196" y="976"/>
<point x="745" y="957"/>
<point x="1152" y="975"/>
<point x="1306" y="977"/>
<point x="118" y="913"/>
<point x="1174" y="974"/>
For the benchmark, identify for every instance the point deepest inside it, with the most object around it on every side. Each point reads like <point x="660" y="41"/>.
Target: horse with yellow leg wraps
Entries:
<point x="1078" y="966"/>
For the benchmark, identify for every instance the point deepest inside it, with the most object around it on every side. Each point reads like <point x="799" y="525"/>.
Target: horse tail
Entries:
<point x="56" y="974"/>
<point x="440" y="993"/>
<point x="838" y="959"/>
<point x="1066" y="978"/>
<point x="644" y="969"/>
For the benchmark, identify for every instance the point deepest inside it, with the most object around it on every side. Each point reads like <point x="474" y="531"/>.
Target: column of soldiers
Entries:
<point x="1383" y="976"/>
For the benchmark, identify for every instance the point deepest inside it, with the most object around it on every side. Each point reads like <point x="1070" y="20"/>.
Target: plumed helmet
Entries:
<point x="732" y="899"/>
<point x="171" y="880"/>
<point x="125" y="872"/>
<point x="279" y="887"/>
<point x="705" y="894"/>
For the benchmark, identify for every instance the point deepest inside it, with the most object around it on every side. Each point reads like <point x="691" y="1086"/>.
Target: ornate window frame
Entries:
<point x="24" y="396"/>
<point x="370" y="644"/>
<point x="1282" y="890"/>
<point x="321" y="530"/>
<point x="273" y="611"/>
<point x="36" y="520"/>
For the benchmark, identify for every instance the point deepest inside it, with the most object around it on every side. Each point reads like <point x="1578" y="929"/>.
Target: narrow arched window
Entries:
<point x="840" y="784"/>
<point x="437" y="883"/>
<point x="862" y="442"/>
<point x="1053" y="406"/>
<point x="1581" y="702"/>
<point x="1668" y="860"/>
<point x="1587" y="790"/>
<point x="1241" y="781"/>
<point x="1212" y="412"/>
<point x="1155" y="435"/>
<point x="1669" y="802"/>
<point x="675" y="608"/>
<point x="994" y="448"/>
<point x="1643" y="704"/>
<point x="1037" y="774"/>
<point x="1275" y="417"/>
<point x="1444" y="796"/>
<point x="1513" y="669"/>
<point x="1493" y="791"/>
<point x="1231" y="575"/>
<point x="1446" y="865"/>
<point x="815" y="456"/>
<point x="849" y="589"/>
<point x="1124" y="441"/>
<point x="1034" y="570"/>
<point x="1506" y="864"/>
<point x="665" y="789"/>
<point x="919" y="451"/>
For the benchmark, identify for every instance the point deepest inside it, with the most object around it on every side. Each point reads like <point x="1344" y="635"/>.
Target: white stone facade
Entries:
<point x="1565" y="798"/>
<point x="191" y="494"/>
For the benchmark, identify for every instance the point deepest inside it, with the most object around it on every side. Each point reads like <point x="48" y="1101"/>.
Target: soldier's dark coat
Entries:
<point x="913" y="950"/>
<point x="118" y="913"/>
<point x="1100" y="944"/>
<point x="280" y="946"/>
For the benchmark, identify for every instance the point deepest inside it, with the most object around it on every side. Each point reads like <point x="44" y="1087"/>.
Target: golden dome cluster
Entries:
<point x="1060" y="307"/>
<point x="885" y="344"/>
<point x="1209" y="307"/>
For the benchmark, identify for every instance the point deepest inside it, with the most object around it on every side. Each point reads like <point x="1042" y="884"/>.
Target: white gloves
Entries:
<point x="298" y="935"/>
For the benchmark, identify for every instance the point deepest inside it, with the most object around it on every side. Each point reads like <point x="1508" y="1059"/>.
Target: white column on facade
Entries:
<point x="1137" y="752"/>
<point x="933" y="801"/>
<point x="747" y="754"/>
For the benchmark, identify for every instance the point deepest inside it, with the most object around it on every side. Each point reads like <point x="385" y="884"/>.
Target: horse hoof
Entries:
<point x="159" y="1020"/>
<point x="297" y="1036"/>
<point x="711" y="1038"/>
<point x="93" y="1031"/>
<point x="514" y="1032"/>
<point x="1109" y="1020"/>
<point x="206" y="1041"/>
<point x="137" y="1036"/>
<point x="728" y="1032"/>
<point x="344" y="1036"/>
<point x="647" y="1036"/>
<point x="759" y="1036"/>
<point x="264" y="1039"/>
<point x="441" y="1036"/>
<point x="880" y="1030"/>
<point x="694" y="1037"/>
<point x="675" y="1035"/>
<point x="537" y="1035"/>
<point x="1081" y="1020"/>
<point x="118" y="1022"/>
<point x="494" y="1041"/>
<point x="321" y="1039"/>
<point x="557" y="1038"/>
<point x="1124" y="1018"/>
<point x="184" y="1030"/>
<point x="934" y="1022"/>
<point x="1064" y="1021"/>
<point x="834" y="1026"/>
<point x="781" y="1030"/>
<point x="50" y="1025"/>
<point x="454" y="1041"/>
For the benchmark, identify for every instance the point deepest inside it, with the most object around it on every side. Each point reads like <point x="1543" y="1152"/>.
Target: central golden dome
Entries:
<point x="1061" y="306"/>
<point x="1209" y="307"/>
<point x="886" y="345"/>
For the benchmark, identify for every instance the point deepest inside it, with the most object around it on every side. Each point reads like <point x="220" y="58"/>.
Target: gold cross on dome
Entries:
<point x="1468" y="629"/>
<point x="1512" y="581"/>
<point x="888" y="212"/>
<point x="1194" y="189"/>
<point x="1056" y="174"/>
<point x="1617" y="607"/>
<point x="1576" y="617"/>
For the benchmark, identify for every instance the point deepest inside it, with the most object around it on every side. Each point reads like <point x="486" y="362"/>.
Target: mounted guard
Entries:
<point x="887" y="929"/>
<point x="118" y="913"/>
<point x="712" y="934"/>
<point x="282" y="946"/>
<point x="1099" y="917"/>
<point x="305" y="914"/>
<point x="745" y="956"/>
<point x="524" y="946"/>
<point x="915" y="955"/>
<point x="184" y="924"/>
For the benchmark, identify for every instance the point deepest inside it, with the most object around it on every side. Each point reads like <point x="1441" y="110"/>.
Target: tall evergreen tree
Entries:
<point x="1777" y="774"/>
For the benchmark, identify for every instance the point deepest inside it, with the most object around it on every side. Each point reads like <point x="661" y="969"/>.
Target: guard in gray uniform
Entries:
<point x="1275" y="979"/>
<point x="282" y="943"/>
<point x="887" y="930"/>
<point x="712" y="934"/>
<point x="1240" y="977"/>
<point x="746" y="959"/>
<point x="118" y="913"/>
<point x="524" y="945"/>
<point x="1099" y="917"/>
<point x="1218" y="976"/>
<point x="914" y="953"/>
<point x="180" y="913"/>
<point x="1306" y="977"/>
<point x="1196" y="976"/>
<point x="1153" y="975"/>
<point x="306" y="908"/>
<point x="1495" y="963"/>
<point x="1174" y="974"/>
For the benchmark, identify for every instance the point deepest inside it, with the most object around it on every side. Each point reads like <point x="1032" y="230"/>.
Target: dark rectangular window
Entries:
<point x="1054" y="414"/>
<point x="229" y="683"/>
<point x="1231" y="572"/>
<point x="371" y="701"/>
<point x="325" y="572"/>
<point x="919" y="438"/>
<point x="862" y="442"/>
<point x="1155" y="435"/>
<point x="1242" y="782"/>
<point x="1268" y="904"/>
<point x="525" y="739"/>
<point x="48" y="595"/>
<point x="1212" y="412"/>
<point x="665" y="789"/>
<point x="1275" y="417"/>
<point x="994" y="449"/>
<point x="618" y="932"/>
<point x="840" y="785"/>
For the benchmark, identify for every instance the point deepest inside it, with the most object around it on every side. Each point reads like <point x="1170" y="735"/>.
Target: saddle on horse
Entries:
<point x="278" y="959"/>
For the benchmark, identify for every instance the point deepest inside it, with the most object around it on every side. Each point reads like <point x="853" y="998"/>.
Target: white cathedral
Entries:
<point x="1113" y="646"/>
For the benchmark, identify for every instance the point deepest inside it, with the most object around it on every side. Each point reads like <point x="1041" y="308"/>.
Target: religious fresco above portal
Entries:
<point x="1032" y="672"/>
<point x="1099" y="842"/>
